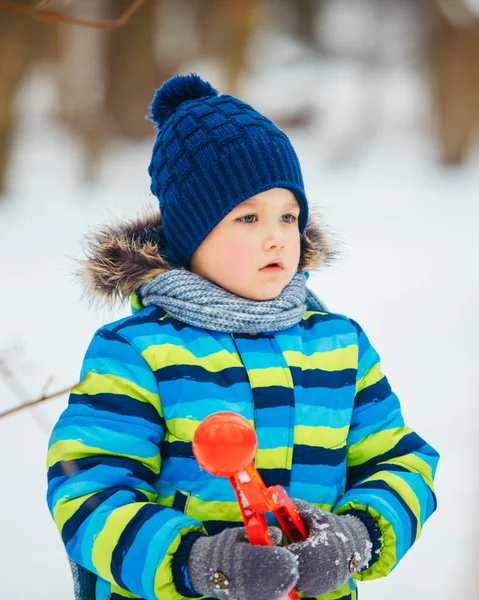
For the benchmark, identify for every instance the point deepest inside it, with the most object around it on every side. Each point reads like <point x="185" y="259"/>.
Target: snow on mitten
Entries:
<point x="336" y="548"/>
<point x="226" y="565"/>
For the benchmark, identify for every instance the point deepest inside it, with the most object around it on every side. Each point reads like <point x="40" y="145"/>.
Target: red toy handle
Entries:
<point x="225" y="445"/>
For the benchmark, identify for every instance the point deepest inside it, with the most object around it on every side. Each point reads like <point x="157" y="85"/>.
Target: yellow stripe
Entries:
<point x="73" y="450"/>
<point x="342" y="592"/>
<point x="310" y="313"/>
<point x="116" y="589"/>
<point x="166" y="501"/>
<point x="202" y="510"/>
<point x="320" y="436"/>
<point x="272" y="458"/>
<point x="165" y="355"/>
<point x="64" y="509"/>
<point x="370" y="378"/>
<point x="401" y="486"/>
<point x="334" y="360"/>
<point x="135" y="302"/>
<point x="415" y="464"/>
<point x="107" y="538"/>
<point x="375" y="444"/>
<point x="183" y="429"/>
<point x="97" y="383"/>
<point x="269" y="376"/>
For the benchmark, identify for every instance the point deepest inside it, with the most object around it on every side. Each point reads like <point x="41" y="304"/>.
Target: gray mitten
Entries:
<point x="336" y="548"/>
<point x="226" y="565"/>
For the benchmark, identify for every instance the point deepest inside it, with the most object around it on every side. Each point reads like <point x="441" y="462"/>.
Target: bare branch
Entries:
<point x="15" y="409"/>
<point x="46" y="16"/>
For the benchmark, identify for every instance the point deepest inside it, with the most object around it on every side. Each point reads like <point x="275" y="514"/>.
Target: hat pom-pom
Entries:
<point x="174" y="92"/>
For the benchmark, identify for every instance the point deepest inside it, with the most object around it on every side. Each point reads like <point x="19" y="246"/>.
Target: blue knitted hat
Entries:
<point x="211" y="153"/>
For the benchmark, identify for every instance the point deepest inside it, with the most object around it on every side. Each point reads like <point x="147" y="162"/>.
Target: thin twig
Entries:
<point x="11" y="411"/>
<point x="47" y="16"/>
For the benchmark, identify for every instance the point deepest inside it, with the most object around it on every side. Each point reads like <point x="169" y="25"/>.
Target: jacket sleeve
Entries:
<point x="103" y="459"/>
<point x="390" y="469"/>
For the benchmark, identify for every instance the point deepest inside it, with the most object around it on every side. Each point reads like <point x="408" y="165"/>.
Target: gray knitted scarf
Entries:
<point x="195" y="300"/>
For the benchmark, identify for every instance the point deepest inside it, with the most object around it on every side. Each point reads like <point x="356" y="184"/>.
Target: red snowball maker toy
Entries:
<point x="225" y="445"/>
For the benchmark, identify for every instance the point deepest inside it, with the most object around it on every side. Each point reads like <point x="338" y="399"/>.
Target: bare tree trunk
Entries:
<point x="306" y="11"/>
<point x="455" y="73"/>
<point x="132" y="70"/>
<point x="20" y="39"/>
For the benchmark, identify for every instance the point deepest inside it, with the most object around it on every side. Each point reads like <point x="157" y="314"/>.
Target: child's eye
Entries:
<point x="254" y="216"/>
<point x="246" y="217"/>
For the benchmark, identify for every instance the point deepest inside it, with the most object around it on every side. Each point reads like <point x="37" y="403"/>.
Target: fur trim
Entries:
<point x="121" y="258"/>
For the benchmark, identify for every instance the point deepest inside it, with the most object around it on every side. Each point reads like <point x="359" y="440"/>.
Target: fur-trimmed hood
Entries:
<point x="120" y="258"/>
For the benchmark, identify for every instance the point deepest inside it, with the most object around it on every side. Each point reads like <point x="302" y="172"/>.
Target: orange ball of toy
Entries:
<point x="224" y="444"/>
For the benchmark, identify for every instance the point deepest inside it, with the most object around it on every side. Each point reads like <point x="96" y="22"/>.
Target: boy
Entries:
<point x="223" y="320"/>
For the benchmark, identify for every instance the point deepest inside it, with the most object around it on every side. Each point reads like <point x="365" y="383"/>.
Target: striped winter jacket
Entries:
<point x="123" y="486"/>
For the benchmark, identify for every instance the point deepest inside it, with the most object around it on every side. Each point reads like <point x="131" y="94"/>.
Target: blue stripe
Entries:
<point x="95" y="479"/>
<point x="176" y="450"/>
<point x="272" y="417"/>
<point x="337" y="399"/>
<point x="87" y="413"/>
<point x="109" y="436"/>
<point x="373" y="393"/>
<point x="367" y="357"/>
<point x="118" y="404"/>
<point x="318" y="416"/>
<point x="324" y="474"/>
<point x="423" y="493"/>
<point x="126" y="539"/>
<point x="275" y="476"/>
<point x="183" y="469"/>
<point x="338" y="322"/>
<point x="411" y="442"/>
<point x="317" y="378"/>
<point x="175" y="396"/>
<point x="273" y="396"/>
<point x="270" y="438"/>
<point x="148" y="548"/>
<point x="121" y="367"/>
<point x="218" y="489"/>
<point x="316" y="455"/>
<point x="310" y="492"/>
<point x="79" y="465"/>
<point x="202" y="343"/>
<point x="391" y="420"/>
<point x="91" y="504"/>
<point x="213" y="527"/>
<point x="149" y="315"/>
<point x="313" y="344"/>
<point x="410" y="522"/>
<point x="227" y="377"/>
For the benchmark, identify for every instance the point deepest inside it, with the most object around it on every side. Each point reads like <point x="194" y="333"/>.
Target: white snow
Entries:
<point x="408" y="232"/>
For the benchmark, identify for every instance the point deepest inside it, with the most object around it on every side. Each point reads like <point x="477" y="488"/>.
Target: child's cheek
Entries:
<point x="241" y="257"/>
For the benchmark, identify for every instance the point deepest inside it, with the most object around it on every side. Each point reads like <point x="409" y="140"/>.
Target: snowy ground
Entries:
<point x="408" y="232"/>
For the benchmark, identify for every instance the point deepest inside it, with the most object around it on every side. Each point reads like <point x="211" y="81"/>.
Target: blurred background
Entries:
<point x="381" y="100"/>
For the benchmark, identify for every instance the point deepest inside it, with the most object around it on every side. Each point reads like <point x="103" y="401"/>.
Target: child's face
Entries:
<point x="261" y="229"/>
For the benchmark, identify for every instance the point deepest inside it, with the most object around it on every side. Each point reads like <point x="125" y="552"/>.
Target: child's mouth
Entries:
<point x="272" y="268"/>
